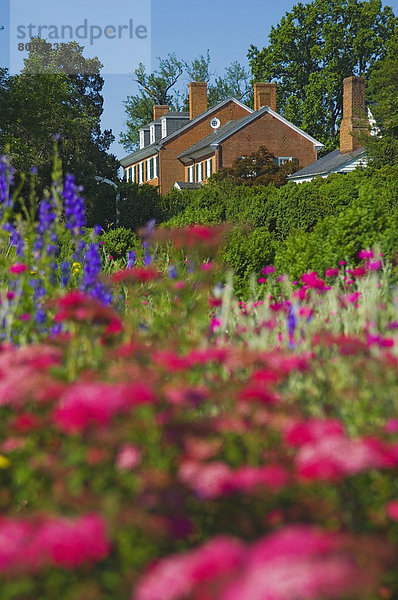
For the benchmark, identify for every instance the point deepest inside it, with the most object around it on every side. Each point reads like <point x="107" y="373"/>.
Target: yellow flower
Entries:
<point x="76" y="264"/>
<point x="4" y="462"/>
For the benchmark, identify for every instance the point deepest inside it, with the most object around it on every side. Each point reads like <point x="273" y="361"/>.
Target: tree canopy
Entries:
<point x="163" y="86"/>
<point x="259" y="168"/>
<point x="58" y="93"/>
<point x="383" y="92"/>
<point x="313" y="48"/>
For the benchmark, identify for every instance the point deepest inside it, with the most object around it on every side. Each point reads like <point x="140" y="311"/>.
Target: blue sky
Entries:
<point x="226" y="28"/>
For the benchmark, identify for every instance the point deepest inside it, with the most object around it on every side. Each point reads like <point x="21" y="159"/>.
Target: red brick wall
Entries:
<point x="171" y="169"/>
<point x="278" y="138"/>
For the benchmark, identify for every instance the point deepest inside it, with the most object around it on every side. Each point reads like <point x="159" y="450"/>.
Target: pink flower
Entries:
<point x="176" y="576"/>
<point x="70" y="543"/>
<point x="207" y="480"/>
<point x="299" y="433"/>
<point x="96" y="403"/>
<point x="331" y="272"/>
<point x="334" y="456"/>
<point x="247" y="479"/>
<point x="313" y="281"/>
<point x="392" y="510"/>
<point x="391" y="426"/>
<point x="262" y="280"/>
<point x="374" y="265"/>
<point x="17" y="268"/>
<point x="29" y="546"/>
<point x="128" y="458"/>
<point x="363" y="254"/>
<point x="268" y="270"/>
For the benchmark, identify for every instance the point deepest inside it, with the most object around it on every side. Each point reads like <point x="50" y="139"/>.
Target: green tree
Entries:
<point x="383" y="91"/>
<point x="162" y="87"/>
<point x="259" y="168"/>
<point x="311" y="51"/>
<point x="58" y="93"/>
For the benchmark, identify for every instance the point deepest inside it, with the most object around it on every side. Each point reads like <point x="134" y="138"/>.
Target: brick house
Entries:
<point x="183" y="149"/>
<point x="354" y="125"/>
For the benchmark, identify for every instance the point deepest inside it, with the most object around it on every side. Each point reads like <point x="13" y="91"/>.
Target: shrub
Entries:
<point x="118" y="242"/>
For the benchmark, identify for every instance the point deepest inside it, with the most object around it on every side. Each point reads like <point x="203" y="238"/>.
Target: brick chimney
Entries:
<point x="197" y="98"/>
<point x="159" y="110"/>
<point x="354" y="121"/>
<point x="264" y="95"/>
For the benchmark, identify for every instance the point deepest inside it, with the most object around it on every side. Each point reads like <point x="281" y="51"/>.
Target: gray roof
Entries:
<point x="140" y="154"/>
<point x="134" y="157"/>
<point x="330" y="163"/>
<point x="187" y="185"/>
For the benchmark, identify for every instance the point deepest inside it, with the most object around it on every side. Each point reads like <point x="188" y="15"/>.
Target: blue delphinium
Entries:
<point x="73" y="205"/>
<point x="64" y="270"/>
<point x="6" y="180"/>
<point x="131" y="257"/>
<point x="91" y="270"/>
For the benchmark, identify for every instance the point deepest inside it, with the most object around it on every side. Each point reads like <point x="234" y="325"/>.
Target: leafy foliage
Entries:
<point x="58" y="93"/>
<point x="314" y="47"/>
<point x="259" y="168"/>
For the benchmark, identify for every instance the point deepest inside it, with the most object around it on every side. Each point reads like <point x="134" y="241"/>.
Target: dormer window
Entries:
<point x="152" y="134"/>
<point x="142" y="139"/>
<point x="164" y="128"/>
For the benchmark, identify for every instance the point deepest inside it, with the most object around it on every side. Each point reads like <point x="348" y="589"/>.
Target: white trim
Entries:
<point x="141" y="173"/>
<point x="191" y="174"/>
<point x="152" y="134"/>
<point x="164" y="127"/>
<point x="284" y="159"/>
<point x="142" y="139"/>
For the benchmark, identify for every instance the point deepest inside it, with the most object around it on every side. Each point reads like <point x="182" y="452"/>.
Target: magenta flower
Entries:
<point x="268" y="270"/>
<point x="17" y="268"/>
<point x="364" y="254"/>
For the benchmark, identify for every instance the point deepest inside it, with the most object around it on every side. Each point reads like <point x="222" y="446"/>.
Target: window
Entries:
<point x="126" y="174"/>
<point x="283" y="160"/>
<point x="142" y="139"/>
<point x="152" y="134"/>
<point x="191" y="174"/>
<point x="196" y="172"/>
<point x="130" y="177"/>
<point x="164" y="128"/>
<point x="201" y="169"/>
<point x="150" y="168"/>
<point x="156" y="166"/>
<point x="132" y="174"/>
<point x="141" y="173"/>
<point x="209" y="167"/>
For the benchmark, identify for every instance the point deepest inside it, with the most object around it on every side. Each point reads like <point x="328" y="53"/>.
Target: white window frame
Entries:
<point x="199" y="173"/>
<point x="148" y="169"/>
<point x="142" y="139"/>
<point x="152" y="134"/>
<point x="284" y="159"/>
<point x="155" y="167"/>
<point x="164" y="128"/>
<point x="133" y="174"/>
<point x="141" y="173"/>
<point x="191" y="174"/>
<point x="208" y="167"/>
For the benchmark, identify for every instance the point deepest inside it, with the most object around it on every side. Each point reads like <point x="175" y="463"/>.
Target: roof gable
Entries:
<point x="136" y="155"/>
<point x="229" y="129"/>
